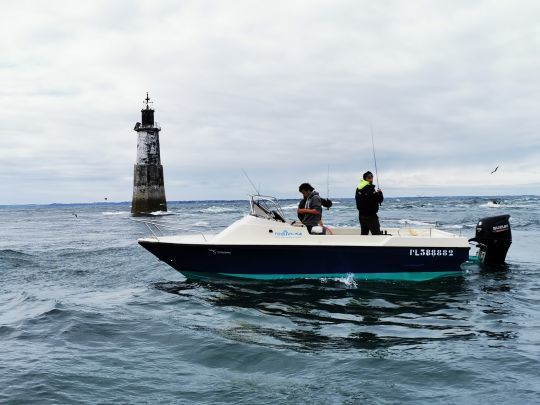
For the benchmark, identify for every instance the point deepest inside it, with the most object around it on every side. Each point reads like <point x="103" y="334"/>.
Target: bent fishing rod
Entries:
<point x="375" y="157"/>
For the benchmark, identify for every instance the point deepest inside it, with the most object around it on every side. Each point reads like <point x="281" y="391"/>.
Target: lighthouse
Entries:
<point x="148" y="184"/>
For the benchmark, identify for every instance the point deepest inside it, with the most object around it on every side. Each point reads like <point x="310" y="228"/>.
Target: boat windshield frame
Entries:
<point x="267" y="207"/>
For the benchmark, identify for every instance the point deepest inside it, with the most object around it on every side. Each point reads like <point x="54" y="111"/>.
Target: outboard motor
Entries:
<point x="494" y="238"/>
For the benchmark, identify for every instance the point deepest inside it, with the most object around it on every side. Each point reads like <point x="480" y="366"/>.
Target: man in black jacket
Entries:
<point x="368" y="200"/>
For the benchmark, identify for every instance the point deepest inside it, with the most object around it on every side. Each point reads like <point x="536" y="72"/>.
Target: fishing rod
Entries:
<point x="375" y="157"/>
<point x="328" y="185"/>
<point x="252" y="185"/>
<point x="328" y="182"/>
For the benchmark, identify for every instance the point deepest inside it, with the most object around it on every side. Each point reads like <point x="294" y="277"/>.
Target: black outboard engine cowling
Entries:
<point x="494" y="238"/>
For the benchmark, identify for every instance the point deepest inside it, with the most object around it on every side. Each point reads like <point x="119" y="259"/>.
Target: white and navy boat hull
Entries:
<point x="263" y="245"/>
<point x="271" y="262"/>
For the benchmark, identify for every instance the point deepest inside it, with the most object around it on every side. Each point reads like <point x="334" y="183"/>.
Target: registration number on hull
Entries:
<point x="431" y="252"/>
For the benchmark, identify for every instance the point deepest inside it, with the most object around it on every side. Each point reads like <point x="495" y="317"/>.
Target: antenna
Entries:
<point x="252" y="185"/>
<point x="374" y="157"/>
<point x="147" y="101"/>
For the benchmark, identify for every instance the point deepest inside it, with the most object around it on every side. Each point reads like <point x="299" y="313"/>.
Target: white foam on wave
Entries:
<point x="217" y="210"/>
<point x="21" y="306"/>
<point x="453" y="226"/>
<point x="491" y="204"/>
<point x="161" y="213"/>
<point x="104" y="299"/>
<point x="349" y="280"/>
<point x="115" y="213"/>
<point x="201" y="223"/>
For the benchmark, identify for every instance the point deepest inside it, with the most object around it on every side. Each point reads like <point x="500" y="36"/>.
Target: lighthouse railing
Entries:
<point x="155" y="125"/>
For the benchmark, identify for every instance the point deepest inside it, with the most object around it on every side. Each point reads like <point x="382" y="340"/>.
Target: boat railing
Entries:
<point x="427" y="231"/>
<point x="432" y="227"/>
<point x="267" y="207"/>
<point x="158" y="229"/>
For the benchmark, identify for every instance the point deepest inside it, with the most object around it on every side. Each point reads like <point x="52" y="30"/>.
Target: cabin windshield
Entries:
<point x="266" y="207"/>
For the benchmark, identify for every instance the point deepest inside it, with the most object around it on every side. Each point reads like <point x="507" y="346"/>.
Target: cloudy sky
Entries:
<point x="285" y="90"/>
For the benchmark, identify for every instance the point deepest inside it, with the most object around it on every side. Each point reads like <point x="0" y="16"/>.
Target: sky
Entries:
<point x="286" y="91"/>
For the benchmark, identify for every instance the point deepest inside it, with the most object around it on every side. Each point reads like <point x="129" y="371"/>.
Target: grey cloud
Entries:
<point x="282" y="89"/>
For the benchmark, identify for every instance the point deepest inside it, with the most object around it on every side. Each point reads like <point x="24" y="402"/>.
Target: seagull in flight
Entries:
<point x="494" y="170"/>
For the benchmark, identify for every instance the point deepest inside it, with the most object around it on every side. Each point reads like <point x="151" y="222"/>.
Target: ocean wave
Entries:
<point x="491" y="204"/>
<point x="15" y="258"/>
<point x="86" y="290"/>
<point x="116" y="213"/>
<point x="348" y="280"/>
<point x="415" y="222"/>
<point x="404" y="206"/>
<point x="217" y="210"/>
<point x="454" y="226"/>
<point x="524" y="223"/>
<point x="6" y="330"/>
<point x="22" y="306"/>
<point x="161" y="213"/>
<point x="92" y="251"/>
<point x="13" y="253"/>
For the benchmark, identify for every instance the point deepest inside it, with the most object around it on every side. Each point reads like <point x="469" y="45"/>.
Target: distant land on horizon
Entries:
<point x="104" y="203"/>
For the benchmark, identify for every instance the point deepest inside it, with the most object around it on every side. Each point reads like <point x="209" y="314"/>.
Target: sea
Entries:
<point x="87" y="316"/>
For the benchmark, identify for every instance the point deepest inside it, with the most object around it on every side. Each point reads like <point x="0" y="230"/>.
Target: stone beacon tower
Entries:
<point x="148" y="185"/>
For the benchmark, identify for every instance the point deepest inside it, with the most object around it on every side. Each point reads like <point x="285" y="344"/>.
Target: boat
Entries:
<point x="265" y="245"/>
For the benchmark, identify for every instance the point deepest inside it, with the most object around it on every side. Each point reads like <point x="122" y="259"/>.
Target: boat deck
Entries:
<point x="399" y="232"/>
<point x="413" y="237"/>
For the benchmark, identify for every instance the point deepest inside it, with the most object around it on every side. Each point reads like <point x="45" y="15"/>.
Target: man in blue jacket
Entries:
<point x="368" y="200"/>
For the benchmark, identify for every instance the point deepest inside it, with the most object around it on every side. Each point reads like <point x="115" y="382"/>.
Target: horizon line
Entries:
<point x="287" y="198"/>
